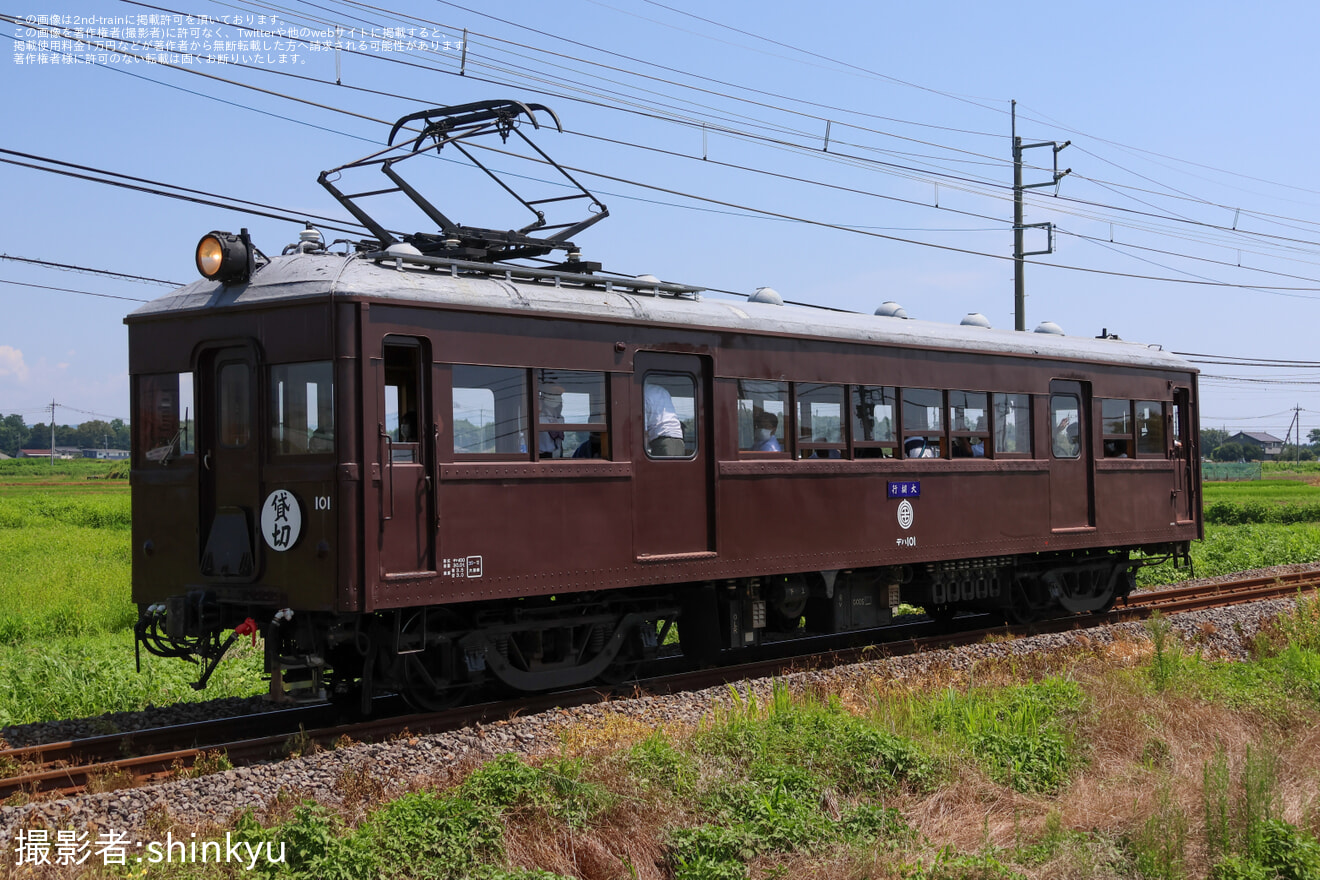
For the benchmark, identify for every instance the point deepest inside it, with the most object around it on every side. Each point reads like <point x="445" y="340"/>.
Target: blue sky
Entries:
<point x="1192" y="129"/>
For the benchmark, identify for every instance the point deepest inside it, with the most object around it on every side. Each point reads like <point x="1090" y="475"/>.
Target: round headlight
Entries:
<point x="222" y="256"/>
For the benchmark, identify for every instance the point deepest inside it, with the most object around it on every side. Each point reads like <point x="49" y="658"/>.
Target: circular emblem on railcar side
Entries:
<point x="281" y="520"/>
<point x="905" y="514"/>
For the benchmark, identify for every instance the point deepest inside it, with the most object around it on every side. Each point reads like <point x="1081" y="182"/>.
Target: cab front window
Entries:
<point x="302" y="408"/>
<point x="164" y="417"/>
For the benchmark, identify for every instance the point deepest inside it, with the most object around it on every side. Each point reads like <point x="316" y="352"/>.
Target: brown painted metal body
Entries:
<point x="402" y="510"/>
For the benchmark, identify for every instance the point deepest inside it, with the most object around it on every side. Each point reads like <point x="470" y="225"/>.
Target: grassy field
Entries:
<point x="66" y="619"/>
<point x="64" y="585"/>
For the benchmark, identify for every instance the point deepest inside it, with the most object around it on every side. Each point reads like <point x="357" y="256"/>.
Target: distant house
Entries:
<point x="106" y="454"/>
<point x="63" y="452"/>
<point x="1269" y="445"/>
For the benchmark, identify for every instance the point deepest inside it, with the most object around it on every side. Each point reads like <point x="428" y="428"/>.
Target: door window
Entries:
<point x="403" y="404"/>
<point x="1064" y="426"/>
<point x="234" y="415"/>
<point x="669" y="403"/>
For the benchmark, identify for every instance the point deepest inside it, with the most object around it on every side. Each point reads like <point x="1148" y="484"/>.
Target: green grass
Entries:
<point x="64" y="564"/>
<point x="83" y="676"/>
<point x="1020" y="735"/>
<point x="1230" y="548"/>
<point x="1267" y="491"/>
<point x="38" y="469"/>
<point x="66" y="614"/>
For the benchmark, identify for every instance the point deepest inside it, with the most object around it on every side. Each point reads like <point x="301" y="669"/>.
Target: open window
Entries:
<point x="1117" y="424"/>
<point x="969" y="424"/>
<point x="923" y="423"/>
<point x="571" y="417"/>
<point x="820" y="420"/>
<point x="874" y="421"/>
<point x="762" y="416"/>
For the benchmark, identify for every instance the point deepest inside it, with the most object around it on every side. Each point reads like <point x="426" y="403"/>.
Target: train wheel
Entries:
<point x="1024" y="607"/>
<point x="625" y="666"/>
<point x="433" y="678"/>
<point x="786" y="603"/>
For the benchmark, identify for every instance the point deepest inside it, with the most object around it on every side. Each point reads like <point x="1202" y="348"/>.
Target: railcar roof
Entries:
<point x="311" y="276"/>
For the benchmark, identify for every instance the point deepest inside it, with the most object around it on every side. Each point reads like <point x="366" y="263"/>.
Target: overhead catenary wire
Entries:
<point x="1195" y="280"/>
<point x="1227" y="230"/>
<point x="1243" y="286"/>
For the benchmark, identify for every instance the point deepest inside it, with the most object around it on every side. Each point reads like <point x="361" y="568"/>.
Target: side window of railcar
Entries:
<point x="302" y="408"/>
<point x="571" y="418"/>
<point x="762" y="415"/>
<point x="1011" y="415"/>
<point x="669" y="403"/>
<point x="1150" y="428"/>
<point x="490" y="411"/>
<point x="164" y="416"/>
<point x="923" y="423"/>
<point x="820" y="420"/>
<point x="1064" y="428"/>
<point x="874" y="421"/>
<point x="969" y="423"/>
<point x="1116" y="419"/>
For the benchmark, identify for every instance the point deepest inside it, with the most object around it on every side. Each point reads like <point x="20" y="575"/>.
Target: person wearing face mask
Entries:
<point x="765" y="424"/>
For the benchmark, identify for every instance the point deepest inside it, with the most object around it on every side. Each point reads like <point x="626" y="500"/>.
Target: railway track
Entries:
<point x="127" y="760"/>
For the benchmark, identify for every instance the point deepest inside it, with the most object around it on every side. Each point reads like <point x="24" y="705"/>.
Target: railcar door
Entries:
<point x="1071" y="488"/>
<point x="672" y="484"/>
<point x="1184" y="444"/>
<point x="405" y="448"/>
<point x="229" y="444"/>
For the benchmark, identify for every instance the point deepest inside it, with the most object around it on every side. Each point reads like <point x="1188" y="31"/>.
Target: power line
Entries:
<point x="90" y="271"/>
<point x="71" y="290"/>
<point x="796" y="219"/>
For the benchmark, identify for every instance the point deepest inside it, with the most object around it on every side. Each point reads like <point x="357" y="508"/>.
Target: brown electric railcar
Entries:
<point x="370" y="445"/>
<point x="419" y="472"/>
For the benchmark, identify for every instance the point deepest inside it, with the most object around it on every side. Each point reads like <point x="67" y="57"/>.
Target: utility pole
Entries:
<point x="1019" y="264"/>
<point x="52" y="432"/>
<point x="1296" y="423"/>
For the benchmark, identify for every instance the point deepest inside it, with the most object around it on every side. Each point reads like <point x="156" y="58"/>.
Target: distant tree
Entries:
<point x="93" y="435"/>
<point x="13" y="434"/>
<point x="38" y="437"/>
<point x="1292" y="452"/>
<point x="1229" y="452"/>
<point x="121" y="437"/>
<point x="1314" y="437"/>
<point x="1212" y="439"/>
